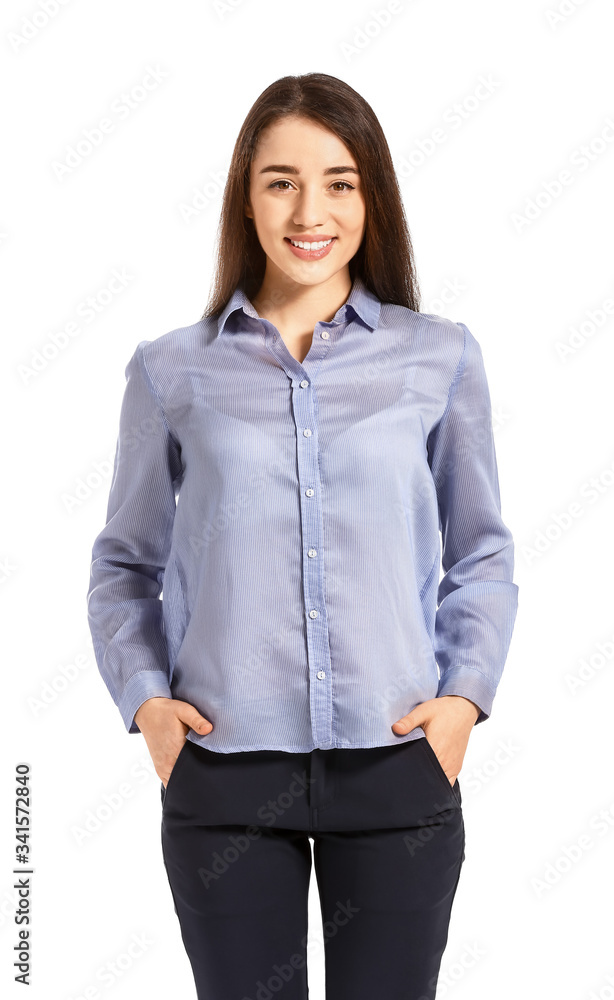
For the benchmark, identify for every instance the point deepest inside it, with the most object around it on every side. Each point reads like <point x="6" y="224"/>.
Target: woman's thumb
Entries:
<point x="194" y="719"/>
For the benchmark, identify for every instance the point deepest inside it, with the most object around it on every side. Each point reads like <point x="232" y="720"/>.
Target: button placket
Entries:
<point x="318" y="650"/>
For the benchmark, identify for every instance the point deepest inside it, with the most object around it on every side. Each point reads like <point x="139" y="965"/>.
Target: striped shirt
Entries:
<point x="304" y="551"/>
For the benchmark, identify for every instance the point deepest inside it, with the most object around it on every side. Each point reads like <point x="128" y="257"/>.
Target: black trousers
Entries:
<point x="388" y="847"/>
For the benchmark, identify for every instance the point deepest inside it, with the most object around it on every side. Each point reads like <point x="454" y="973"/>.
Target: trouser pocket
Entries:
<point x="454" y="789"/>
<point x="173" y="775"/>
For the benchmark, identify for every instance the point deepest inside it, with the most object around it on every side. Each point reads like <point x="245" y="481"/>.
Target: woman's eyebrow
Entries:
<point x="284" y="168"/>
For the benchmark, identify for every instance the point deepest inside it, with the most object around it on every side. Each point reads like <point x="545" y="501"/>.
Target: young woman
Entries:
<point x="285" y="467"/>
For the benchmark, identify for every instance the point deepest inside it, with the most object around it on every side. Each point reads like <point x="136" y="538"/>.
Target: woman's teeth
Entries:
<point x="311" y="246"/>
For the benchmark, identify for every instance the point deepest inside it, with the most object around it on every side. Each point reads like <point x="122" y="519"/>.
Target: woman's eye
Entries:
<point x="345" y="185"/>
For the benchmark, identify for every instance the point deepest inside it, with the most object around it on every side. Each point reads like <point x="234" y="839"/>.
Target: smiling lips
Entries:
<point x="311" y="249"/>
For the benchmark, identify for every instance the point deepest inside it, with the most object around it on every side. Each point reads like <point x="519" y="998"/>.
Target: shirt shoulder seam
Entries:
<point x="154" y="392"/>
<point x="458" y="372"/>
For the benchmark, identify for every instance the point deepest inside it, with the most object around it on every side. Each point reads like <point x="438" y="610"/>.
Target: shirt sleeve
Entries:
<point x="477" y="600"/>
<point x="130" y="553"/>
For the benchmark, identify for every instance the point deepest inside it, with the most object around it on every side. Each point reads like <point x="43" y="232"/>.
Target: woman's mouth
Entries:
<point x="311" y="250"/>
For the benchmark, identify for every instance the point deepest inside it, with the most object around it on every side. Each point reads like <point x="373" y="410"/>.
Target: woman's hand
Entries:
<point x="164" y="722"/>
<point x="447" y="722"/>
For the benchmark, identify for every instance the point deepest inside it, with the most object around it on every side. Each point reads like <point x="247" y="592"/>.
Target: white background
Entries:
<point x="526" y="921"/>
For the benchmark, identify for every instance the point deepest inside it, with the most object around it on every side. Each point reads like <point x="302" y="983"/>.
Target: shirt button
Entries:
<point x="325" y="334"/>
<point x="307" y="433"/>
<point x="309" y="492"/>
<point x="321" y="675"/>
<point x="304" y="383"/>
<point x="313" y="614"/>
<point x="312" y="552"/>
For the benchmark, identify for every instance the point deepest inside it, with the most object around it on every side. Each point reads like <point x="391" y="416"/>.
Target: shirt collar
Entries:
<point x="360" y="302"/>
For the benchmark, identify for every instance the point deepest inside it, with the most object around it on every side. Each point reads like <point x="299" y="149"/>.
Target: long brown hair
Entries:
<point x="385" y="259"/>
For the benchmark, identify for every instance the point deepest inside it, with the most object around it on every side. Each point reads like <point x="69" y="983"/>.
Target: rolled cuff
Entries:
<point x="469" y="683"/>
<point x="140" y="687"/>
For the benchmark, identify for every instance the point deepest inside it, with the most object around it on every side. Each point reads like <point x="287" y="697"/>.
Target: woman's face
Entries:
<point x="304" y="185"/>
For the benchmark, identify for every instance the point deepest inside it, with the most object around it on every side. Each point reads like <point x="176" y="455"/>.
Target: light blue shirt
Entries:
<point x="292" y="515"/>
